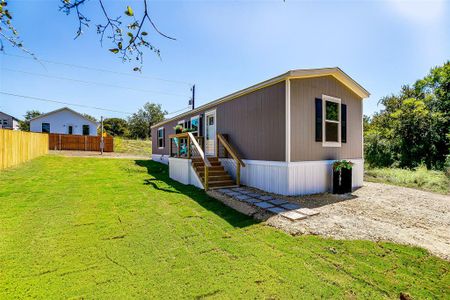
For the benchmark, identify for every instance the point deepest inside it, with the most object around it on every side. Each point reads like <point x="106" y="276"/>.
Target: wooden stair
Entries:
<point x="218" y="177"/>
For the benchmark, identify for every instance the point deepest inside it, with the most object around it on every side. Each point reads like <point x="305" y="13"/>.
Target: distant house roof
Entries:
<point x="292" y="74"/>
<point x="61" y="109"/>
<point x="10" y="116"/>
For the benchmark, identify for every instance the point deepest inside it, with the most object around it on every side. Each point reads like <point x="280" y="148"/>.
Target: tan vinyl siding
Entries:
<point x="303" y="144"/>
<point x="255" y="124"/>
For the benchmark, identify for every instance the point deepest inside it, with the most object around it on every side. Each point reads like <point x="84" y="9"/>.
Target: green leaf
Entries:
<point x="120" y="45"/>
<point x="114" y="50"/>
<point x="130" y="34"/>
<point x="129" y="12"/>
<point x="144" y="33"/>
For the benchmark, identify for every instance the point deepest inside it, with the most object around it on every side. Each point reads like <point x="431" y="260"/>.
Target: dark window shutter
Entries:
<point x="318" y="120"/>
<point x="164" y="137"/>
<point x="343" y="123"/>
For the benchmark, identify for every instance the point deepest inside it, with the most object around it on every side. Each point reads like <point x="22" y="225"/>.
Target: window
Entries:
<point x="46" y="127"/>
<point x="331" y="121"/>
<point x="70" y="129"/>
<point x="5" y="122"/>
<point x="161" y="137"/>
<point x="195" y="124"/>
<point x="86" y="130"/>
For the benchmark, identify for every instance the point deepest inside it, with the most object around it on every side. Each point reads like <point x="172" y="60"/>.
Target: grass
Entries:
<point x="421" y="178"/>
<point x="105" y="228"/>
<point x="137" y="147"/>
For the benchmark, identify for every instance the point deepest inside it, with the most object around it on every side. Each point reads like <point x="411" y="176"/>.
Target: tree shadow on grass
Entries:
<point x="162" y="182"/>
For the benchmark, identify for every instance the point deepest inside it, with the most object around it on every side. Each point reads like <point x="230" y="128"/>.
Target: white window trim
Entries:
<point x="163" y="137"/>
<point x="324" y="142"/>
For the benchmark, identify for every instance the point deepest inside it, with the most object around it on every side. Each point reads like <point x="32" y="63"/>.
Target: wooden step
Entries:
<point x="213" y="168"/>
<point x="201" y="163"/>
<point x="212" y="178"/>
<point x="220" y="183"/>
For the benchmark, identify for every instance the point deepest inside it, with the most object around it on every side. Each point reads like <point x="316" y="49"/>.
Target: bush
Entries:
<point x="447" y="166"/>
<point x="377" y="151"/>
<point x="421" y="178"/>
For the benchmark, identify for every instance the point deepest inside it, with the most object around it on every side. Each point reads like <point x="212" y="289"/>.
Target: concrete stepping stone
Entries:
<point x="307" y="211"/>
<point x="252" y="200"/>
<point x="238" y="189"/>
<point x="224" y="191"/>
<point x="293" y="215"/>
<point x="232" y="194"/>
<point x="264" y="205"/>
<point x="276" y="210"/>
<point x="290" y="206"/>
<point x="241" y="197"/>
<point x="278" y="201"/>
<point x="246" y="192"/>
<point x="254" y="195"/>
<point x="265" y="197"/>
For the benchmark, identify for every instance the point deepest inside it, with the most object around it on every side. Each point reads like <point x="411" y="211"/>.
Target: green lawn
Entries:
<point x="112" y="229"/>
<point x="137" y="147"/>
<point x="421" y="178"/>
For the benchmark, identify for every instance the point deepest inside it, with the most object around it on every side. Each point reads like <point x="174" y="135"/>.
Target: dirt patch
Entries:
<point x="96" y="154"/>
<point x="377" y="212"/>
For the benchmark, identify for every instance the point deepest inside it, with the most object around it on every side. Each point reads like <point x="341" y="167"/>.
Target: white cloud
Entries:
<point x="419" y="11"/>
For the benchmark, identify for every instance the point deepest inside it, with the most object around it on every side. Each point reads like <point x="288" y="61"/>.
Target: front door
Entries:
<point x="210" y="133"/>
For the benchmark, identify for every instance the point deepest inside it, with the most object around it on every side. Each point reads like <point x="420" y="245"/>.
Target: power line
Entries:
<point x="63" y="102"/>
<point x="92" y="82"/>
<point x="174" y="112"/>
<point x="100" y="70"/>
<point x="79" y="105"/>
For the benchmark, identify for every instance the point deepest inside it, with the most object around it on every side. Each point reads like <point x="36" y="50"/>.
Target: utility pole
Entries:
<point x="102" y="144"/>
<point x="193" y="97"/>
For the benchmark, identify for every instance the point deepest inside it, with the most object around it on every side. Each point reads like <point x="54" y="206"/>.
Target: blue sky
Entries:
<point x="223" y="46"/>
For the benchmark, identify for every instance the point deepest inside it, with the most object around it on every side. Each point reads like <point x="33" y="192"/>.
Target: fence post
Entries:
<point x="59" y="142"/>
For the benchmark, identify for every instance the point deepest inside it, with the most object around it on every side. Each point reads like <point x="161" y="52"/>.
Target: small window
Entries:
<point x="211" y="120"/>
<point x="331" y="121"/>
<point x="70" y="129"/>
<point x="195" y="124"/>
<point x="5" y="122"/>
<point x="161" y="137"/>
<point x="86" y="130"/>
<point x="46" y="127"/>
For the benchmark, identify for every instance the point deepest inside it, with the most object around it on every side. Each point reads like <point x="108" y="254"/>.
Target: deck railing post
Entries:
<point x="188" y="147"/>
<point x="238" y="174"/>
<point x="206" y="177"/>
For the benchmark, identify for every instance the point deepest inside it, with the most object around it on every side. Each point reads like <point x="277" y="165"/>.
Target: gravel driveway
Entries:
<point x="378" y="212"/>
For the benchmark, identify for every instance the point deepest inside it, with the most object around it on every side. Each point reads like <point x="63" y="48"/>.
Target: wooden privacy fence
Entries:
<point x="58" y="141"/>
<point x="18" y="146"/>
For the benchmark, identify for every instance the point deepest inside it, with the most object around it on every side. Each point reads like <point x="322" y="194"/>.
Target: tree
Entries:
<point x="126" y="33"/>
<point x="116" y="126"/>
<point x="89" y="117"/>
<point x="140" y="122"/>
<point x="30" y="114"/>
<point x="414" y="126"/>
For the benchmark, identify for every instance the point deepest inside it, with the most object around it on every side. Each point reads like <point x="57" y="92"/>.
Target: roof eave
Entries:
<point x="292" y="74"/>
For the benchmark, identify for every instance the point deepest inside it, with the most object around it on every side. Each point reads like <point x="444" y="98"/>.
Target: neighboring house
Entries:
<point x="288" y="130"/>
<point x="8" y="122"/>
<point x="64" y="121"/>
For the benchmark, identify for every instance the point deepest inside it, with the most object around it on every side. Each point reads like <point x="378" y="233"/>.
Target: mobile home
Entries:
<point x="280" y="135"/>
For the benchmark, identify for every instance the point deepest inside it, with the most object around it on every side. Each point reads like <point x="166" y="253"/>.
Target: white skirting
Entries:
<point x="160" y="158"/>
<point x="295" y="178"/>
<point x="181" y="170"/>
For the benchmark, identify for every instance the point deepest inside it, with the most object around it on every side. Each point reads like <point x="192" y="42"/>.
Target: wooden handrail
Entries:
<point x="230" y="149"/>
<point x="199" y="149"/>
